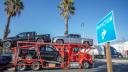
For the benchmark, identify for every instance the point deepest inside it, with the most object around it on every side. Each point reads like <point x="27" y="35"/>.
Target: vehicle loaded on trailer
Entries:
<point x="72" y="38"/>
<point x="25" y="36"/>
<point x="36" y="55"/>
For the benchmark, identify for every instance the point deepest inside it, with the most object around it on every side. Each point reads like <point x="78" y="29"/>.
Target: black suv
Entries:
<point x="46" y="52"/>
<point x="25" y="36"/>
<point x="49" y="53"/>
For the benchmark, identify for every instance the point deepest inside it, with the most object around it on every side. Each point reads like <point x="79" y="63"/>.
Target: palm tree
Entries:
<point x="67" y="9"/>
<point x="12" y="7"/>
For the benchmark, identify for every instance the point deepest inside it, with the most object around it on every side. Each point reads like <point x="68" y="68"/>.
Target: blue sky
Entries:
<point x="43" y="17"/>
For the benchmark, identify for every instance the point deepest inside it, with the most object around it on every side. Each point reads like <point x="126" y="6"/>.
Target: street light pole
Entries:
<point x="82" y="27"/>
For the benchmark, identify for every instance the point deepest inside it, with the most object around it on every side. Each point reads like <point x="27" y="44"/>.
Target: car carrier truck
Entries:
<point x="36" y="55"/>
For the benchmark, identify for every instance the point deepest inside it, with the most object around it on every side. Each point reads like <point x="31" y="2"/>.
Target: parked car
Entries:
<point x="100" y="52"/>
<point x="72" y="38"/>
<point x="25" y="36"/>
<point x="5" y="59"/>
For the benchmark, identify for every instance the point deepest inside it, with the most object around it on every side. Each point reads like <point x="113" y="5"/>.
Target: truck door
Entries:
<point x="22" y="37"/>
<point x="31" y="36"/>
<point x="49" y="53"/>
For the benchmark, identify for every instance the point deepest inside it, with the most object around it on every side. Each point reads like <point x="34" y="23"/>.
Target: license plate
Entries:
<point x="51" y="65"/>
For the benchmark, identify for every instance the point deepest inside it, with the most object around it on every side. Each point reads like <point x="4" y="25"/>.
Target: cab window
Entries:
<point x="21" y="35"/>
<point x="42" y="49"/>
<point x="49" y="49"/>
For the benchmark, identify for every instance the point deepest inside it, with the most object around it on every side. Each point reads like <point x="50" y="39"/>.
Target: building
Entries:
<point x="121" y="47"/>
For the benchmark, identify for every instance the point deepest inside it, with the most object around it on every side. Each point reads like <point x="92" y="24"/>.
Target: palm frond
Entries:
<point x="13" y="7"/>
<point x="66" y="7"/>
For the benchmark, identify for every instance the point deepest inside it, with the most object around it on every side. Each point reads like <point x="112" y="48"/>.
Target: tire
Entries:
<point x="85" y="65"/>
<point x="40" y="40"/>
<point x="59" y="41"/>
<point x="6" y="44"/>
<point x="35" y="66"/>
<point x="21" y="67"/>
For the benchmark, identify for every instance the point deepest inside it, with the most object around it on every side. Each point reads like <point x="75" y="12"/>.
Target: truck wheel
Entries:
<point x="7" y="44"/>
<point x="86" y="65"/>
<point x="35" y="66"/>
<point x="40" y="40"/>
<point x="60" y="41"/>
<point x="21" y="66"/>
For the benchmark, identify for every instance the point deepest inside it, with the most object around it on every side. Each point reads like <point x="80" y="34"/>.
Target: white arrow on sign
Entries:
<point x="103" y="33"/>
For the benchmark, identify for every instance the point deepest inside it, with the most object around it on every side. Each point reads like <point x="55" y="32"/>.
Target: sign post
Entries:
<point x="106" y="33"/>
<point x="108" y="56"/>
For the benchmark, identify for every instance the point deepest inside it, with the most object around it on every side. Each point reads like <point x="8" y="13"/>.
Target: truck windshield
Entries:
<point x="74" y="36"/>
<point x="75" y="49"/>
<point x="21" y="35"/>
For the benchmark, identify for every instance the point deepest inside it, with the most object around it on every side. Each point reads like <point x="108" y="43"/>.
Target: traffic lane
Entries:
<point x="69" y="70"/>
<point x="118" y="65"/>
<point x="99" y="66"/>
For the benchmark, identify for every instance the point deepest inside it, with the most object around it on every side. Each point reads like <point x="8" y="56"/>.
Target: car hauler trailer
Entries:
<point x="36" y="55"/>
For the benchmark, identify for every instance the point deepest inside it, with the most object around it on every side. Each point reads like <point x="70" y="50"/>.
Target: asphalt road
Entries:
<point x="99" y="66"/>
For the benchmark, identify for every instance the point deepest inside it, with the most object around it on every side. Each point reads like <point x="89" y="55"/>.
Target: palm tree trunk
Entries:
<point x="6" y="31"/>
<point x="66" y="25"/>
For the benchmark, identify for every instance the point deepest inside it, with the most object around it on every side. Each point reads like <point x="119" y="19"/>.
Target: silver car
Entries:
<point x="72" y="38"/>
